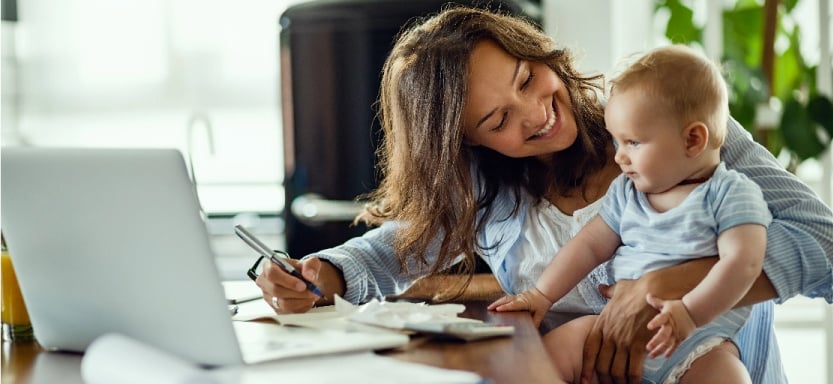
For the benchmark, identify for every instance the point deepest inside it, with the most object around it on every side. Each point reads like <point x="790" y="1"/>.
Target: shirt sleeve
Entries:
<point x="800" y="237"/>
<point x="368" y="264"/>
<point x="739" y="201"/>
<point x="614" y="201"/>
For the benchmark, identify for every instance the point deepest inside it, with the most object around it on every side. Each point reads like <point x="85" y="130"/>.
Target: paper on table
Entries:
<point x="363" y="367"/>
<point x="324" y="317"/>
<point x="346" y="316"/>
<point x="260" y="310"/>
<point x="395" y="315"/>
<point x="238" y="291"/>
<point x="118" y="359"/>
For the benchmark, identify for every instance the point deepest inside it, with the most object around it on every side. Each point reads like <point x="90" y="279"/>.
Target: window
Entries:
<point x="197" y="75"/>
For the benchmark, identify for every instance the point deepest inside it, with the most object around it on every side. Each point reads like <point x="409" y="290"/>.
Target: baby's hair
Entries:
<point x="684" y="83"/>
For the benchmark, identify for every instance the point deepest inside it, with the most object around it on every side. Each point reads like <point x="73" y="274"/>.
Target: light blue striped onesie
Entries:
<point x="653" y="240"/>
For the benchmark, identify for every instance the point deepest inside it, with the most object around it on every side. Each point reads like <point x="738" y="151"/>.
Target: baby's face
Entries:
<point x="651" y="147"/>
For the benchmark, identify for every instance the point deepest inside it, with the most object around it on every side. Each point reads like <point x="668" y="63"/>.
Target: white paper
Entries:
<point x="363" y="367"/>
<point x="395" y="315"/>
<point x="242" y="290"/>
<point x="117" y="359"/>
<point x="373" y="316"/>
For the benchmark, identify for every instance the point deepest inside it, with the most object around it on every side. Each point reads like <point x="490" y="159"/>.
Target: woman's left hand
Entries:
<point x="615" y="348"/>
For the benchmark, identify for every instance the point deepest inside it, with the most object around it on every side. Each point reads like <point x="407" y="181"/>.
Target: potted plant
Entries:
<point x="759" y="75"/>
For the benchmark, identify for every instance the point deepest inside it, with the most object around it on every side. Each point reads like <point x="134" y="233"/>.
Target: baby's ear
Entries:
<point x="696" y="136"/>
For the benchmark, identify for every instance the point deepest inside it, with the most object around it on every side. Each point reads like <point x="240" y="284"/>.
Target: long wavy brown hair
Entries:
<point x="426" y="169"/>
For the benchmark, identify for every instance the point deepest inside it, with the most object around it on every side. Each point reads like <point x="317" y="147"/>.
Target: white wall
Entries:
<point x="600" y="32"/>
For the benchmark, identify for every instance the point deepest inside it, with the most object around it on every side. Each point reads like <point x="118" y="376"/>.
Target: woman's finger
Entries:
<point x="284" y="292"/>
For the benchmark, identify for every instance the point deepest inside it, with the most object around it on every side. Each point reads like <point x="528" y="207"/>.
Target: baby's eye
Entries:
<point x="632" y="143"/>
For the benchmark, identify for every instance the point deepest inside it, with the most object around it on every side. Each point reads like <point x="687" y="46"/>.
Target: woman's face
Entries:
<point x="515" y="107"/>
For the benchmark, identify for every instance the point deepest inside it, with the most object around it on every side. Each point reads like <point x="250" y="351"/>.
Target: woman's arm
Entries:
<point x="615" y="347"/>
<point x="482" y="287"/>
<point x="799" y="257"/>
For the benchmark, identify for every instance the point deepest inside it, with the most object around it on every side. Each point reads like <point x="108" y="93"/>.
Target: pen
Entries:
<point x="276" y="258"/>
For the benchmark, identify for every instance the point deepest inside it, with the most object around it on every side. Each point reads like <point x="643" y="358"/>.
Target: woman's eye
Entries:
<point x="528" y="79"/>
<point x="632" y="143"/>
<point x="500" y="124"/>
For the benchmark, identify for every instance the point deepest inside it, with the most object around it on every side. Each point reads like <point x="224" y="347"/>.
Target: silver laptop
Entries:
<point x="111" y="240"/>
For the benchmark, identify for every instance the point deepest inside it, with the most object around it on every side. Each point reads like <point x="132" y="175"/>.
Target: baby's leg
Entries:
<point x="722" y="364"/>
<point x="565" y="344"/>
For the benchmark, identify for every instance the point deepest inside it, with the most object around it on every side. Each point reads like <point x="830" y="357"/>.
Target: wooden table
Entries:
<point x="517" y="359"/>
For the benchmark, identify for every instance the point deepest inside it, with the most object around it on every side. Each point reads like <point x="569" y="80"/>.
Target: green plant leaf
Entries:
<point x="789" y="5"/>
<point x="681" y="28"/>
<point x="746" y="91"/>
<point x="742" y="38"/>
<point x="788" y="67"/>
<point x="820" y="109"/>
<point x="801" y="127"/>
<point x="799" y="131"/>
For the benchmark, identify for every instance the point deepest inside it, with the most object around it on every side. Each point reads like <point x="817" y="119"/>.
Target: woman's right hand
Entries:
<point x="286" y="293"/>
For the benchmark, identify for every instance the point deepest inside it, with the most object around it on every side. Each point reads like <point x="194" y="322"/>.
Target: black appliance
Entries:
<point x="331" y="56"/>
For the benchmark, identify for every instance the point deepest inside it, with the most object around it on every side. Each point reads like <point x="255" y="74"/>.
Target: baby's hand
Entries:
<point x="532" y="300"/>
<point x="674" y="323"/>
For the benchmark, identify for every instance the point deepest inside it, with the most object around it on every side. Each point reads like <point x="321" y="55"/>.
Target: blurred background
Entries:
<point x="266" y="99"/>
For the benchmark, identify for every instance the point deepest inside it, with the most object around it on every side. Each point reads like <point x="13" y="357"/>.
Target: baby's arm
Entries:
<point x="593" y="245"/>
<point x="741" y="250"/>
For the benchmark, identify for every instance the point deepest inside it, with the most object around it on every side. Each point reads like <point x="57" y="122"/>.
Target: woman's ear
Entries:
<point x="696" y="136"/>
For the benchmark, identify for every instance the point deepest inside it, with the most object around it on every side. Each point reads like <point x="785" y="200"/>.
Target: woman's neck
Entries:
<point x="594" y="189"/>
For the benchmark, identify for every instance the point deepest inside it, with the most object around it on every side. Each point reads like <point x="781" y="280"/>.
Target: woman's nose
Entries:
<point x="535" y="114"/>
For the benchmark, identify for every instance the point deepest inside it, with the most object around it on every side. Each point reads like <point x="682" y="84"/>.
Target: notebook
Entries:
<point x="112" y="241"/>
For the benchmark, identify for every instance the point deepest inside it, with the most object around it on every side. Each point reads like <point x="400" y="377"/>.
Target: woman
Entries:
<point x="495" y="147"/>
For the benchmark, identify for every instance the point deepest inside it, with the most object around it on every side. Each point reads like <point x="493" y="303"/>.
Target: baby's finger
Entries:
<point x="671" y="348"/>
<point x="498" y="302"/>
<point x="660" y="348"/>
<point x="514" y="305"/>
<point x="659" y="338"/>
<point x="655" y="302"/>
<point x="658" y="321"/>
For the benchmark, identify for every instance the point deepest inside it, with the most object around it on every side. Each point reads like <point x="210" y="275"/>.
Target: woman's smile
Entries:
<point x="515" y="107"/>
<point x="547" y="131"/>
